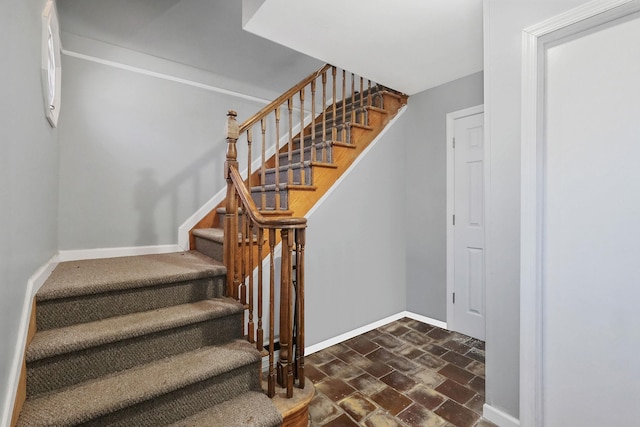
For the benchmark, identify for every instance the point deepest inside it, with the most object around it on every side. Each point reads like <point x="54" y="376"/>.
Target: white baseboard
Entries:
<point x="425" y="319"/>
<point x="33" y="284"/>
<point x="81" y="254"/>
<point x="499" y="417"/>
<point x="371" y="326"/>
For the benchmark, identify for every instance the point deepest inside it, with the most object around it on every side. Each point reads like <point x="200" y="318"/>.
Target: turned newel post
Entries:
<point x="231" y="215"/>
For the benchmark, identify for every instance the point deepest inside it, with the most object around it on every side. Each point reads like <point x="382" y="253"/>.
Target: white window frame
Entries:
<point x="51" y="66"/>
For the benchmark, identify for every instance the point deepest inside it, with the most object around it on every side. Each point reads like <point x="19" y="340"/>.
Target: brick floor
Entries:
<point x="403" y="374"/>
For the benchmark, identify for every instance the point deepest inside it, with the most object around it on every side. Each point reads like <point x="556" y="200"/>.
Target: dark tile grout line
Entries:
<point x="404" y="374"/>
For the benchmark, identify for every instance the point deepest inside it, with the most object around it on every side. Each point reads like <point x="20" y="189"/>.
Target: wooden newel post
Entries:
<point x="231" y="215"/>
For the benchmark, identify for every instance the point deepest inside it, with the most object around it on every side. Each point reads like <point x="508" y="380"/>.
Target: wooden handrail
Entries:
<point x="254" y="213"/>
<point x="281" y="99"/>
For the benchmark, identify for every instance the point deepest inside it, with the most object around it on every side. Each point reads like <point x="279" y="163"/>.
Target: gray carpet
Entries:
<point x="144" y="341"/>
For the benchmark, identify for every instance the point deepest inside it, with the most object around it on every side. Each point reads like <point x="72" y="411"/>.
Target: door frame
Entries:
<point x="451" y="118"/>
<point x="535" y="41"/>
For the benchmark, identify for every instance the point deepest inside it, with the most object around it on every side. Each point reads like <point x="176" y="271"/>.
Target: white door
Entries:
<point x="581" y="204"/>
<point x="467" y="290"/>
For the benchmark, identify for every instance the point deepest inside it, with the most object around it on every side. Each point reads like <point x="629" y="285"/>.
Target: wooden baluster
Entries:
<point x="237" y="278"/>
<point x="250" y="325"/>
<point x="234" y="244"/>
<point x="263" y="198"/>
<point x="277" y="158"/>
<point x="231" y="201"/>
<point x="313" y="121"/>
<point x="324" y="117"/>
<point x="285" y="364"/>
<point x="300" y="245"/>
<point x="334" y="130"/>
<point x="249" y="156"/>
<point x="361" y="93"/>
<point x="302" y="174"/>
<point x="344" y="106"/>
<point x="353" y="98"/>
<point x="290" y="153"/>
<point x="271" y="379"/>
<point x="366" y="118"/>
<point x="242" y="249"/>
<point x="260" y="333"/>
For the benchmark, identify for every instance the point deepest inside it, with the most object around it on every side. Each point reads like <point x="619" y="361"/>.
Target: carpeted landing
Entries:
<point x="142" y="341"/>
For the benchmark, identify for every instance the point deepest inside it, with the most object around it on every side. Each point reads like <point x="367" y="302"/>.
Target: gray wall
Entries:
<point x="203" y="34"/>
<point x="426" y="191"/>
<point x="28" y="172"/>
<point x="504" y="22"/>
<point x="138" y="155"/>
<point x="355" y="266"/>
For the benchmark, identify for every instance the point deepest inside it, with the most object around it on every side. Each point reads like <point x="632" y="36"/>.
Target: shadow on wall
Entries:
<point x="145" y="197"/>
<point x="186" y="186"/>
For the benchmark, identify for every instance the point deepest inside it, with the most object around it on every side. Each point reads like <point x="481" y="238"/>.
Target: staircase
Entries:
<point x="180" y="339"/>
<point x="146" y="341"/>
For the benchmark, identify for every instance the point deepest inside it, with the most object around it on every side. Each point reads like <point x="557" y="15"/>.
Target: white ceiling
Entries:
<point x="408" y="45"/>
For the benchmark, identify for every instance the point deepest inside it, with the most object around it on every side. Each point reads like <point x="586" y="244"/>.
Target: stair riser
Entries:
<point x="271" y="199"/>
<point x="270" y="176"/>
<point x="210" y="248"/>
<point x="72" y="368"/>
<point x="296" y="157"/>
<point x="184" y="402"/>
<point x="70" y="311"/>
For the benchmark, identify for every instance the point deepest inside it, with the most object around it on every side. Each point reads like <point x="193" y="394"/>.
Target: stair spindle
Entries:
<point x="263" y="179"/>
<point x="300" y="327"/>
<point x="249" y="155"/>
<point x="344" y="106"/>
<point x="242" y="248"/>
<point x="260" y="332"/>
<point x="302" y="172"/>
<point x="271" y="379"/>
<point x="361" y="93"/>
<point x="334" y="130"/>
<point x="313" y="121"/>
<point x="251" y="325"/>
<point x="290" y="151"/>
<point x="324" y="117"/>
<point x="353" y="95"/>
<point x="277" y="158"/>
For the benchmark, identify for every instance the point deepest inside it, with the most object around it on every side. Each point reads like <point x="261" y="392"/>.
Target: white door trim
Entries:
<point x="451" y="117"/>
<point x="535" y="41"/>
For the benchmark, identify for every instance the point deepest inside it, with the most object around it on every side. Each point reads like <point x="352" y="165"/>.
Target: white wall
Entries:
<point x="504" y="22"/>
<point x="591" y="325"/>
<point x="28" y="173"/>
<point x="426" y="191"/>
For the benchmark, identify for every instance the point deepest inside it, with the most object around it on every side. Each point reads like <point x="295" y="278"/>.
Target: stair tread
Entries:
<point x="282" y="186"/>
<point x="251" y="409"/>
<point x="307" y="164"/>
<point x="76" y="278"/>
<point x="213" y="234"/>
<point x="105" y="395"/>
<point x="81" y="336"/>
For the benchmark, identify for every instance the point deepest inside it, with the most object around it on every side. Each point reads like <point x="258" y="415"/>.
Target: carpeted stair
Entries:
<point x="142" y="341"/>
<point x="318" y="140"/>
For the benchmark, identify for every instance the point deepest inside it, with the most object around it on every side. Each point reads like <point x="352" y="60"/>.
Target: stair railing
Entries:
<point x="303" y="122"/>
<point x="252" y="231"/>
<point x="246" y="230"/>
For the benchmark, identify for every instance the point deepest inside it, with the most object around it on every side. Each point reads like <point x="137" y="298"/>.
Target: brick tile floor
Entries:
<point x="403" y="374"/>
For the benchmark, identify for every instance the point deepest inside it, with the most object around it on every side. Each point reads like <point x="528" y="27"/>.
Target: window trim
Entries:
<point x="51" y="66"/>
